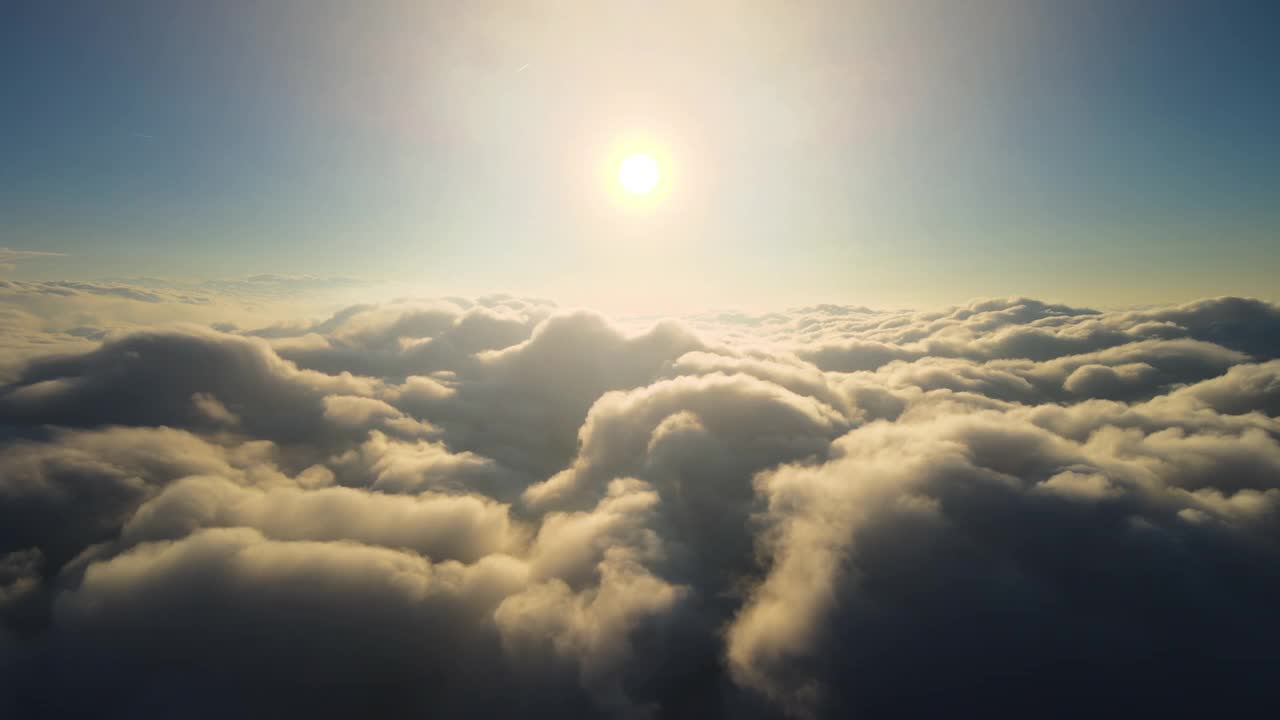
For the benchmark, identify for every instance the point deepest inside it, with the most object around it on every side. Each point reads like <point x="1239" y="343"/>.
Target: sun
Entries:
<point x="639" y="174"/>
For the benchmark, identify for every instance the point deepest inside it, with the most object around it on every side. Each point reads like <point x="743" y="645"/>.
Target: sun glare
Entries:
<point x="639" y="174"/>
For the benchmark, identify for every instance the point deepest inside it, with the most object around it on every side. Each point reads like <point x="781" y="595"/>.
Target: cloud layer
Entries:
<point x="499" y="507"/>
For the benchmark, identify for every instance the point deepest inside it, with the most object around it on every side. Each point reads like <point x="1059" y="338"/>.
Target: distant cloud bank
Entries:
<point x="498" y="507"/>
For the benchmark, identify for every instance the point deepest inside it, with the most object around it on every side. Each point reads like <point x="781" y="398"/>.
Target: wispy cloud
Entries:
<point x="10" y="255"/>
<point x="9" y="258"/>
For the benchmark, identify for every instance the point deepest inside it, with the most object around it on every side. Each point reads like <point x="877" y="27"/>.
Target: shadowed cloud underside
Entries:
<point x="498" y="506"/>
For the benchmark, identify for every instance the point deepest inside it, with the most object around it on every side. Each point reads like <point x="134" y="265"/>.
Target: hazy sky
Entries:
<point x="872" y="152"/>
<point x="339" y="376"/>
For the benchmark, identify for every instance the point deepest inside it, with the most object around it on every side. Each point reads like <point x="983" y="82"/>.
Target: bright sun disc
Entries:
<point x="638" y="174"/>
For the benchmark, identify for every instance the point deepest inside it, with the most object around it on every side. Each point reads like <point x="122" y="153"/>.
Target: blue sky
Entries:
<point x="886" y="153"/>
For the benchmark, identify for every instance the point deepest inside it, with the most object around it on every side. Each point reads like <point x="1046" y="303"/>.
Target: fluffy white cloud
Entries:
<point x="498" y="507"/>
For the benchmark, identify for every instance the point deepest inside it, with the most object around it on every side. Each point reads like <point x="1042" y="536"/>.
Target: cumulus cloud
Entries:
<point x="500" y="507"/>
